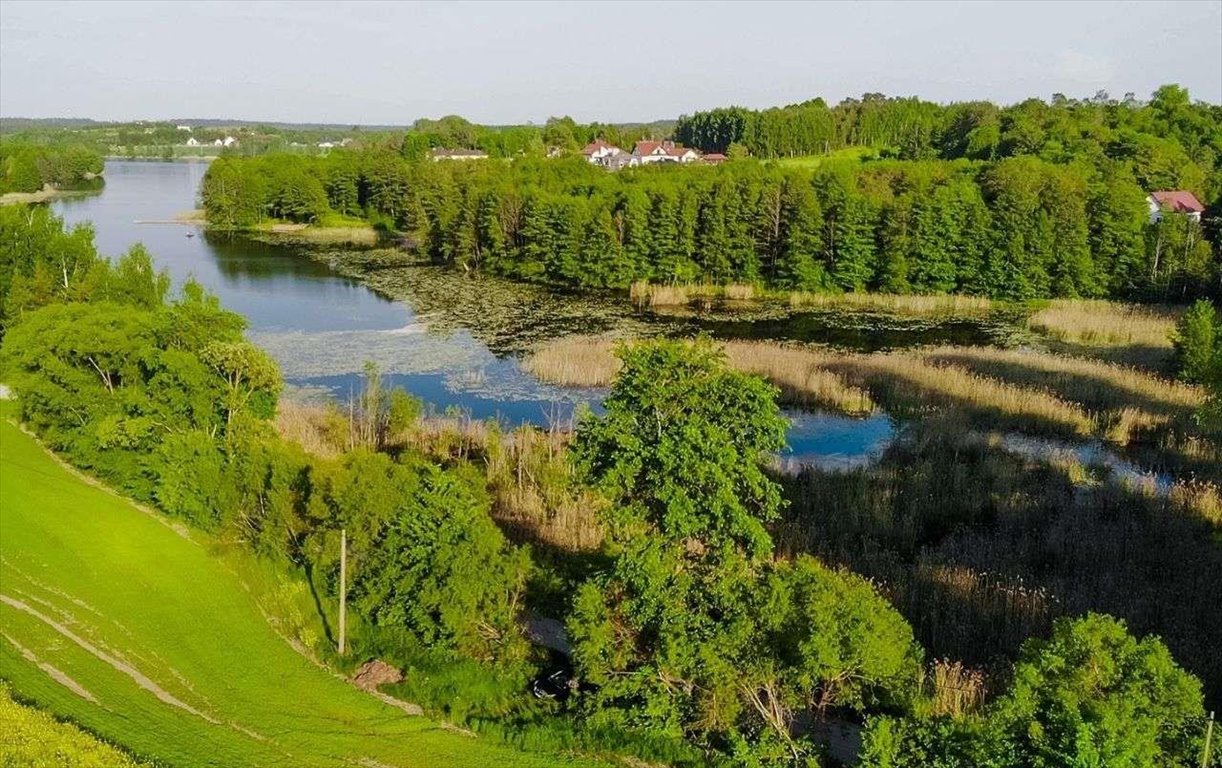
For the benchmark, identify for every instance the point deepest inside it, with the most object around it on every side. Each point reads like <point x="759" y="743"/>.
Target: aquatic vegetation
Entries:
<point x="1104" y="323"/>
<point x="535" y="495"/>
<point x="981" y="547"/>
<point x="801" y="380"/>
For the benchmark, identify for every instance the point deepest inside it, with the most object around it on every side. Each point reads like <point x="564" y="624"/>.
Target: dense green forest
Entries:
<point x="1167" y="135"/>
<point x="698" y="644"/>
<point x="27" y="167"/>
<point x="1051" y="217"/>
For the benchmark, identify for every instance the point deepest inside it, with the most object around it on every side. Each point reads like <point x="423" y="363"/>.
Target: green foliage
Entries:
<point x="840" y="643"/>
<point x="1094" y="694"/>
<point x="1090" y="695"/>
<point x="693" y="631"/>
<point x="28" y="167"/>
<point x="425" y="554"/>
<point x="681" y="447"/>
<point x="39" y="261"/>
<point x="1198" y="345"/>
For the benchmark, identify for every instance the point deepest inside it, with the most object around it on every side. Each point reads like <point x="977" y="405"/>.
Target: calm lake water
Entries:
<point x="321" y="327"/>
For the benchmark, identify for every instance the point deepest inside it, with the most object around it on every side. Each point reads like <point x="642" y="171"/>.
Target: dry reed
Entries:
<point x="896" y="303"/>
<point x="955" y="689"/>
<point x="799" y="377"/>
<point x="534" y="494"/>
<point x="849" y="383"/>
<point x="1103" y="323"/>
<point x="575" y="361"/>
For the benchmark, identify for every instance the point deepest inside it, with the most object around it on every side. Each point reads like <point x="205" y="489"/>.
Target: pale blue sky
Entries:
<point x="518" y="62"/>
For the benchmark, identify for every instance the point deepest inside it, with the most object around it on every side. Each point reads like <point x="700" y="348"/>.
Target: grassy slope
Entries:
<point x="122" y="580"/>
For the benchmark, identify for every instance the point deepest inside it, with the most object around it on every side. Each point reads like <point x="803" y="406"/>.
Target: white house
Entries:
<point x="598" y="151"/>
<point x="1175" y="201"/>
<point x="186" y="128"/>
<point x="664" y="152"/>
<point x="325" y="145"/>
<point x="192" y="142"/>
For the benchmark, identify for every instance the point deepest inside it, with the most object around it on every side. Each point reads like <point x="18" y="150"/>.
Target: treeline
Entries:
<point x="1174" y="142"/>
<point x="1015" y="228"/>
<point x="558" y="133"/>
<point x="28" y="167"/>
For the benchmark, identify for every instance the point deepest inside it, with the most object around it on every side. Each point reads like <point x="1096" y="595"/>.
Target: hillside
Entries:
<point x="131" y="628"/>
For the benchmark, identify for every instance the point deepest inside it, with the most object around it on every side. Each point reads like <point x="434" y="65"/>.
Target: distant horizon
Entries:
<point x="389" y="64"/>
<point x="408" y="124"/>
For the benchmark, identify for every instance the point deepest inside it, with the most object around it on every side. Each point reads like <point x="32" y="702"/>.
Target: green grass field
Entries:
<point x="810" y="162"/>
<point x="111" y="618"/>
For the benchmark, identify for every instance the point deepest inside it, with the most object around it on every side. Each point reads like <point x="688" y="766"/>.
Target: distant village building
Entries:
<point x="622" y="160"/>
<point x="713" y="158"/>
<point x="1175" y="201"/>
<point x="186" y="128"/>
<point x="458" y="154"/>
<point x="664" y="152"/>
<point x="192" y="142"/>
<point x="325" y="145"/>
<point x="598" y="151"/>
<point x="228" y="141"/>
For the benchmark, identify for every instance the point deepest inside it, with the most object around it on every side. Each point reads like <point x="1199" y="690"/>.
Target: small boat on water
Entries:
<point x="190" y="234"/>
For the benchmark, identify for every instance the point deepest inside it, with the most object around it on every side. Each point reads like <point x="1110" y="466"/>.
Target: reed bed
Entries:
<point x="800" y="377"/>
<point x="904" y="380"/>
<point x="575" y="361"/>
<point x="645" y="294"/>
<point x="1104" y="323"/>
<point x="915" y="305"/>
<point x="853" y="384"/>
<point x="535" y="496"/>
<point x="1092" y="383"/>
<point x="980" y="548"/>
<point x="313" y="427"/>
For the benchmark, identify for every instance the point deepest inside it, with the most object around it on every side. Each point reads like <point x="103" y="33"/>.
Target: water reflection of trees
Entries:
<point x="241" y="257"/>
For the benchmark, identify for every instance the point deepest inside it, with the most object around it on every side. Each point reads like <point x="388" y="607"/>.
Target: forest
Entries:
<point x="1031" y="201"/>
<point x="29" y="167"/>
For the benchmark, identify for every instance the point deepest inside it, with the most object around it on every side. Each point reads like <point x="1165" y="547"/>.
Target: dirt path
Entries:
<point x="53" y="672"/>
<point x="135" y="674"/>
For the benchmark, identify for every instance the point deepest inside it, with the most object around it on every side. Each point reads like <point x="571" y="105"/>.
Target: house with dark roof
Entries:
<point x="1174" y="201"/>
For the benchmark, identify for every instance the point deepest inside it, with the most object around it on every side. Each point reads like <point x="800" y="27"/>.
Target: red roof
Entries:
<point x="714" y="157"/>
<point x="669" y="148"/>
<point x="594" y="146"/>
<point x="1178" y="200"/>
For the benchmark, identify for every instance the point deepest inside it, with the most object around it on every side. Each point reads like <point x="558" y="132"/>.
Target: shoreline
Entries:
<point x="285" y="233"/>
<point x="43" y="196"/>
<point x="156" y="159"/>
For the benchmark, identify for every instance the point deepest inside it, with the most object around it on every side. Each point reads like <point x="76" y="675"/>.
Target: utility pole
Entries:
<point x="1209" y="732"/>
<point x="343" y="587"/>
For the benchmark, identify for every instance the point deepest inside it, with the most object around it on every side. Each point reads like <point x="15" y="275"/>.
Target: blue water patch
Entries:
<point x="478" y="395"/>
<point x="833" y="441"/>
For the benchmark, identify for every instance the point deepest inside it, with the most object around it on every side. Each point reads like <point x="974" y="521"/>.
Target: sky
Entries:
<point x="505" y="62"/>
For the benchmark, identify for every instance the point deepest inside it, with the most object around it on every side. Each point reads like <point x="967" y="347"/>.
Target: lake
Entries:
<point x="440" y="343"/>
